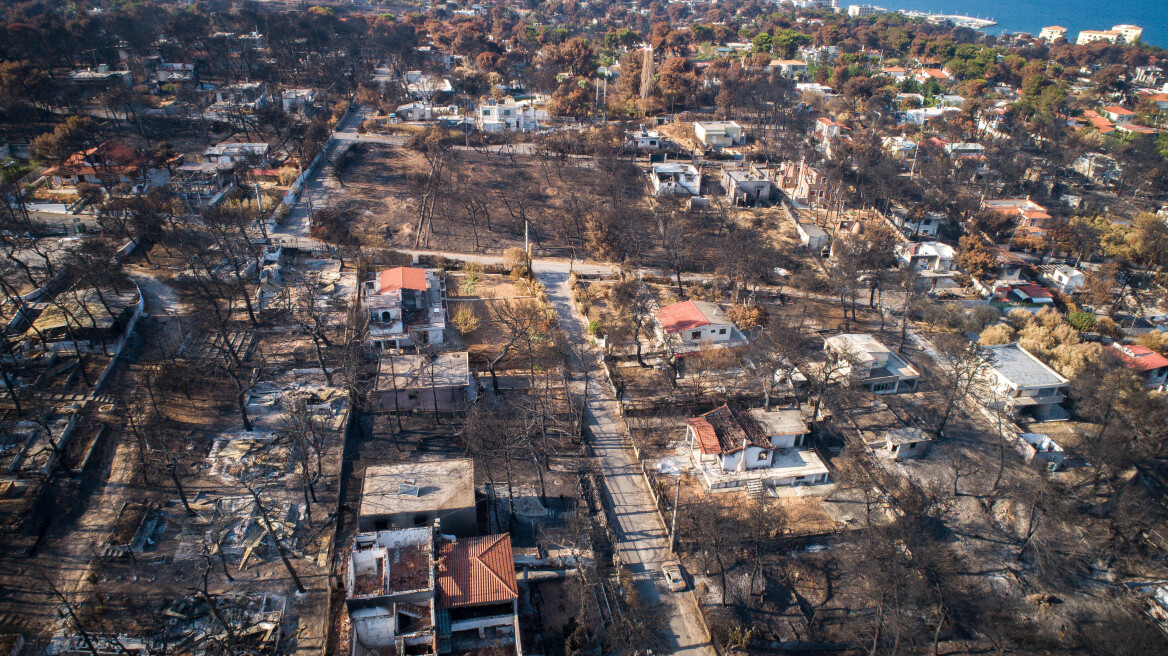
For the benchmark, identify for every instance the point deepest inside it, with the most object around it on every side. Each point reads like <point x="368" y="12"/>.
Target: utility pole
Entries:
<point x="673" y="522"/>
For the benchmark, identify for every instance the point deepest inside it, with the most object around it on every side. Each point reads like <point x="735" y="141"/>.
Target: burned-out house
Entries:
<point x="405" y="308"/>
<point x="418" y="591"/>
<point x="427" y="381"/>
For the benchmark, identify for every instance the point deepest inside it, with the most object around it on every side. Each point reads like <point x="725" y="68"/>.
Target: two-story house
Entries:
<point x="917" y="223"/>
<point x="801" y="182"/>
<point x="718" y="134"/>
<point x="405" y="308"/>
<point x="746" y="186"/>
<point x="754" y="449"/>
<point x="416" y="591"/>
<point x="1022" y="384"/>
<point x="932" y="256"/>
<point x="862" y="360"/>
<point x="495" y="116"/>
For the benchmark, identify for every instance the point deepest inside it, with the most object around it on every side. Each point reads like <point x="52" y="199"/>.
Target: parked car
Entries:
<point x="674" y="576"/>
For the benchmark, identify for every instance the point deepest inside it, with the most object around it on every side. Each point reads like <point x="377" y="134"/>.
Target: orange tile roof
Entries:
<point x="1138" y="358"/>
<point x="1119" y="111"/>
<point x="473" y="571"/>
<point x="681" y="317"/>
<point x="401" y="278"/>
<point x="707" y="437"/>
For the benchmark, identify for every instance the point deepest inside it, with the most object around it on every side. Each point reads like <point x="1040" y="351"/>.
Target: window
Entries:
<point x="762" y="456"/>
<point x="722" y="331"/>
<point x="912" y="445"/>
<point x="697" y="334"/>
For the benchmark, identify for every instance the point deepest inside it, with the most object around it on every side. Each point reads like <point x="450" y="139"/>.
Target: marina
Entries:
<point x="960" y="21"/>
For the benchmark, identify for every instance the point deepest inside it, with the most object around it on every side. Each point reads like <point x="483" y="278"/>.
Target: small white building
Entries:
<point x="755" y="449"/>
<point x="645" y="139"/>
<point x="906" y="443"/>
<point x="688" y="325"/>
<point x="917" y="224"/>
<point x="930" y="256"/>
<point x="900" y="147"/>
<point x="812" y="236"/>
<point x="718" y="134"/>
<point x="863" y="360"/>
<point x="299" y="101"/>
<point x="1023" y="384"/>
<point x="1040" y="449"/>
<point x="414" y="111"/>
<point x="1065" y="279"/>
<point x="670" y="178"/>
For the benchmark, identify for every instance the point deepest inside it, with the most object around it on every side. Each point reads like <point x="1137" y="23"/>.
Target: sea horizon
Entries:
<point x="1031" y="16"/>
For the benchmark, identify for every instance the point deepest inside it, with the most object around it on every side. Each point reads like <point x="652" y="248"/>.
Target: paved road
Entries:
<point x="642" y="538"/>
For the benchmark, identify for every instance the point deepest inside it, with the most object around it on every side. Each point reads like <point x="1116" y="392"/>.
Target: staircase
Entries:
<point x="756" y="489"/>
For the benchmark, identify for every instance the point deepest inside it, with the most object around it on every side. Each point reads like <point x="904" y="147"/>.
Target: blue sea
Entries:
<point x="1033" y="15"/>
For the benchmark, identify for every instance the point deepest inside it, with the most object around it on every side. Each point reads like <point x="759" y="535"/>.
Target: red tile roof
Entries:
<point x="1118" y="111"/>
<point x="1138" y="358"/>
<point x="1033" y="290"/>
<point x="473" y="571"/>
<point x="680" y="317"/>
<point x="707" y="437"/>
<point x="722" y="430"/>
<point x="401" y="278"/>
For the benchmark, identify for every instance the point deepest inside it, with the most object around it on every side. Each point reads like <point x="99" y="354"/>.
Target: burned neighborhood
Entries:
<point x="400" y="328"/>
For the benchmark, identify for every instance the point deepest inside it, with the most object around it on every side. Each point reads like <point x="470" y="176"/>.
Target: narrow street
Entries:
<point x="642" y="538"/>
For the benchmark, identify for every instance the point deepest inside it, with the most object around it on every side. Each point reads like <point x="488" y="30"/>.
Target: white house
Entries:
<point x="299" y="101"/>
<point x="900" y="146"/>
<point x="718" y="134"/>
<point x="686" y="326"/>
<point x="865" y="361"/>
<point x="494" y="116"/>
<point x="1064" y="278"/>
<point x="232" y="152"/>
<point x="405" y="308"/>
<point x="1053" y="33"/>
<point x="746" y="186"/>
<point x="671" y="178"/>
<point x="917" y="224"/>
<point x="644" y="139"/>
<point x="415" y="111"/>
<point x="754" y="449"/>
<point x="927" y="256"/>
<point x="829" y="129"/>
<point x="1023" y="385"/>
<point x="791" y="68"/>
<point x="812" y="236"/>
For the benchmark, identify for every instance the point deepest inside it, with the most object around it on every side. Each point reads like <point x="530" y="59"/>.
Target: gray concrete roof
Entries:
<point x="1018" y="366"/>
<point x="779" y="422"/>
<point x="443" y="484"/>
